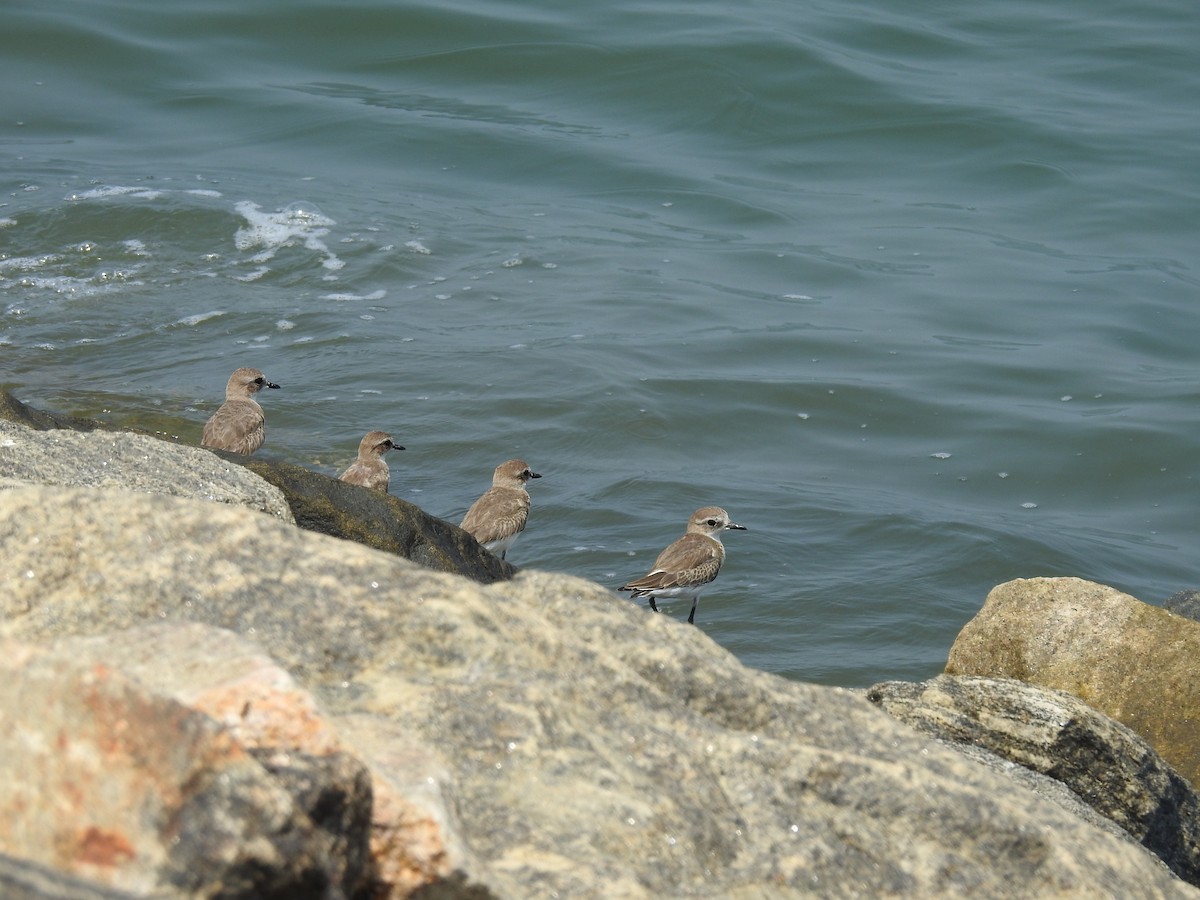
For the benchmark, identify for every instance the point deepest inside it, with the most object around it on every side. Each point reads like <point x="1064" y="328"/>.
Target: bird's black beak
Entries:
<point x="534" y="475"/>
<point x="272" y="384"/>
<point x="732" y="527"/>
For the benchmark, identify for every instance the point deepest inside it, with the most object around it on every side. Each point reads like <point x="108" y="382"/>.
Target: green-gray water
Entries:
<point x="910" y="290"/>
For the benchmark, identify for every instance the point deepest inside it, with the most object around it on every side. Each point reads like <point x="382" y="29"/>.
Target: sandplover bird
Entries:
<point x="497" y="518"/>
<point x="370" y="469"/>
<point x="690" y="564"/>
<point x="239" y="426"/>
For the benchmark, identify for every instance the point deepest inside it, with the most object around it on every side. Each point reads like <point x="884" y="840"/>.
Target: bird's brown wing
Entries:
<point x="499" y="513"/>
<point x="691" y="560"/>
<point x="370" y="474"/>
<point x="238" y="427"/>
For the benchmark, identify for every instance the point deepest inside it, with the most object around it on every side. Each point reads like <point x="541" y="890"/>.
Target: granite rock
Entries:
<point x="133" y="462"/>
<point x="411" y="842"/>
<point x="556" y="738"/>
<point x="1136" y="663"/>
<point x="109" y="781"/>
<point x="1056" y="734"/>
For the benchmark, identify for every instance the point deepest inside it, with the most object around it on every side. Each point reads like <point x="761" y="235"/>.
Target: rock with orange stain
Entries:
<point x="107" y="779"/>
<point x="412" y="841"/>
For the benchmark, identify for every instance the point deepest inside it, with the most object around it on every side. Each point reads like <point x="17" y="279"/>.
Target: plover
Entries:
<point x="239" y="426"/>
<point x="370" y="469"/>
<point x="690" y="564"/>
<point x="497" y="518"/>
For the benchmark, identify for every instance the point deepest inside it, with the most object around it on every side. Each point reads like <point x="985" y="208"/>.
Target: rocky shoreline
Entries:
<point x="252" y="681"/>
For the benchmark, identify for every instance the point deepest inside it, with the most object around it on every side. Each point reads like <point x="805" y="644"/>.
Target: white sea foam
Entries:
<point x="299" y="223"/>
<point x="25" y="263"/>
<point x="342" y="297"/>
<point x="113" y="190"/>
<point x="200" y="317"/>
<point x="82" y="287"/>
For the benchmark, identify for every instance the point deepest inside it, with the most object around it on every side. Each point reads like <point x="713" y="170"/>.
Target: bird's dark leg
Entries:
<point x="692" y="614"/>
<point x="653" y="606"/>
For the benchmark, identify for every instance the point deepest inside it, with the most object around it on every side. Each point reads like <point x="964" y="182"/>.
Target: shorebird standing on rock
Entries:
<point x="370" y="469"/>
<point x="690" y="564"/>
<point x="497" y="518"/>
<point x="239" y="426"/>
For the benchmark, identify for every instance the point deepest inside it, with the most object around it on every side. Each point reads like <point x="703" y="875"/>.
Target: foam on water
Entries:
<point x="199" y="318"/>
<point x="298" y="223"/>
<point x="341" y="297"/>
<point x="108" y="191"/>
<point x="25" y="263"/>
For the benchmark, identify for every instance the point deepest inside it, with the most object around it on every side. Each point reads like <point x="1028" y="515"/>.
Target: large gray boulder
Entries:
<point x="547" y="735"/>
<point x="134" y="462"/>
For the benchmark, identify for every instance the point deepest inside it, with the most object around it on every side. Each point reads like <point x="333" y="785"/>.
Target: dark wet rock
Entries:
<point x="13" y="410"/>
<point x="374" y="519"/>
<point x="1056" y="734"/>
<point x="1184" y="603"/>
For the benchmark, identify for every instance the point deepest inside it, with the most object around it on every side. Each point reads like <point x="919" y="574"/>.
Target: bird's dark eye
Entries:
<point x="259" y="380"/>
<point x="712" y="523"/>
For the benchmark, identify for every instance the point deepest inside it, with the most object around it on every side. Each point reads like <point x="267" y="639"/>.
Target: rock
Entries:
<point x="44" y="452"/>
<point x="329" y="506"/>
<point x="13" y="410"/>
<point x="1056" y="734"/>
<point x="132" y="461"/>
<point x="1184" y="603"/>
<point x="412" y="837"/>
<point x="554" y="737"/>
<point x="21" y="879"/>
<point x="1134" y="662"/>
<point x="139" y="793"/>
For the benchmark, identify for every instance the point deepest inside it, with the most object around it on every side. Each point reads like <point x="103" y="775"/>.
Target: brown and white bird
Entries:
<point x="370" y="469"/>
<point x="239" y="426"/>
<point x="497" y="518"/>
<point x="690" y="564"/>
